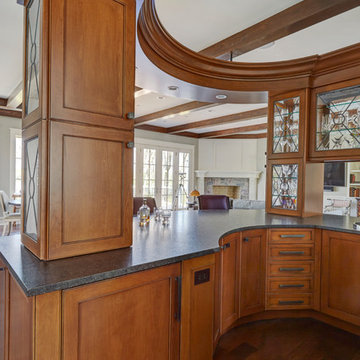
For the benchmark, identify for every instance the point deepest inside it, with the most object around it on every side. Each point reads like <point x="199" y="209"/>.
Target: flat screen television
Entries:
<point x="334" y="174"/>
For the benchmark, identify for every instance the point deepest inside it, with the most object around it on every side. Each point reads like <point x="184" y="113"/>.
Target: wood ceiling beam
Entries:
<point x="242" y="129"/>
<point x="244" y="136"/>
<point x="164" y="130"/>
<point x="295" y="18"/>
<point x="11" y="113"/>
<point x="170" y="111"/>
<point x="3" y="101"/>
<point x="242" y="116"/>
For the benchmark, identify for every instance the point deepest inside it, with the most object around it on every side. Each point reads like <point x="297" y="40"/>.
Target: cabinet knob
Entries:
<point x="130" y="145"/>
<point x="130" y="115"/>
<point x="246" y="239"/>
<point x="225" y="246"/>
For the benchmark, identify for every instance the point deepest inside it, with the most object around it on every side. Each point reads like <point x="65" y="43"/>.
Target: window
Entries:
<point x="15" y="161"/>
<point x="134" y="171"/>
<point x="160" y="168"/>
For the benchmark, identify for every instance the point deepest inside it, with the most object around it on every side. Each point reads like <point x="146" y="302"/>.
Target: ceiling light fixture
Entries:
<point x="221" y="96"/>
<point x="173" y="87"/>
<point x="161" y="97"/>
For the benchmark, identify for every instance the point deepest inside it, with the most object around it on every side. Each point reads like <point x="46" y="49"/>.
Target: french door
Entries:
<point x="163" y="172"/>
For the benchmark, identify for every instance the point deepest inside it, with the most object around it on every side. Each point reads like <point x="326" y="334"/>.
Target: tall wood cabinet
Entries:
<point x="294" y="186"/>
<point x="77" y="126"/>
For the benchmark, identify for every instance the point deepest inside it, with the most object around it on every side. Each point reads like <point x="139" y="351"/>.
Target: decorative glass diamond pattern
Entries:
<point x="286" y="125"/>
<point x="338" y="119"/>
<point x="284" y="186"/>
<point x="32" y="91"/>
<point x="31" y="190"/>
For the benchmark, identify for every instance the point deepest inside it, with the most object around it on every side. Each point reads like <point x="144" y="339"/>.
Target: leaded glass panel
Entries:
<point x="32" y="90"/>
<point x="286" y="126"/>
<point x="338" y="119"/>
<point x="31" y="190"/>
<point x="284" y="186"/>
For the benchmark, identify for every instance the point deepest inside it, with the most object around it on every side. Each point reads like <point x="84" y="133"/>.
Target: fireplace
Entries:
<point x="232" y="192"/>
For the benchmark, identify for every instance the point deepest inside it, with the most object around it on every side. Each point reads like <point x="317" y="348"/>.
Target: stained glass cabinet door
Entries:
<point x="286" y="125"/>
<point x="335" y="121"/>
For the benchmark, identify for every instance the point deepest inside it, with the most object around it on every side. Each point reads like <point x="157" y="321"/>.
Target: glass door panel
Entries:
<point x="149" y="173"/>
<point x="167" y="182"/>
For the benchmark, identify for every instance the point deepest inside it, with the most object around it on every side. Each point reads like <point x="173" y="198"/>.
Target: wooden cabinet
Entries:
<point x="334" y="121"/>
<point x="252" y="271"/>
<point x="197" y="308"/>
<point x="293" y="269"/>
<point x="340" y="284"/>
<point x="3" y="310"/>
<point x="229" y="280"/>
<point x="78" y="128"/>
<point x="135" y="316"/>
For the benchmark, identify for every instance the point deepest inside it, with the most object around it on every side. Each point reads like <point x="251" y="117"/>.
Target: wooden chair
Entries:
<point x="6" y="217"/>
<point x="214" y="202"/>
<point x="138" y="201"/>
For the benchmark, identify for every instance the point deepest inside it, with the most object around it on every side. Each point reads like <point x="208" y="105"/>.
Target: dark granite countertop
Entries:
<point x="190" y="234"/>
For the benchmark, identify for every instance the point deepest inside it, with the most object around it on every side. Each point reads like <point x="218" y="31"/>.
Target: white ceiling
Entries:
<point x="11" y="46"/>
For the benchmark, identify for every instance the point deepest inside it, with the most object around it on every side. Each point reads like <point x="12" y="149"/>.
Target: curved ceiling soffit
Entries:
<point x="183" y="63"/>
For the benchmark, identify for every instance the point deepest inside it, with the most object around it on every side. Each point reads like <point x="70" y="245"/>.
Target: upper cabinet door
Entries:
<point x="335" y="121"/>
<point x="92" y="64"/>
<point x="32" y="65"/>
<point x="287" y="116"/>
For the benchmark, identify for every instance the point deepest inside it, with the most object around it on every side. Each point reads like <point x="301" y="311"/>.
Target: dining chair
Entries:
<point x="138" y="201"/>
<point x="7" y="219"/>
<point x="214" y="202"/>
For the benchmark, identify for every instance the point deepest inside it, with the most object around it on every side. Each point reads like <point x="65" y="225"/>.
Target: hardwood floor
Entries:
<point x="288" y="339"/>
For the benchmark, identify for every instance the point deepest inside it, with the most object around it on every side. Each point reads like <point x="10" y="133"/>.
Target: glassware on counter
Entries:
<point x="166" y="215"/>
<point x="144" y="214"/>
<point x="158" y="213"/>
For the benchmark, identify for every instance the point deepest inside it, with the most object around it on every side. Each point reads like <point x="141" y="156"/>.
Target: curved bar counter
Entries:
<point x="190" y="234"/>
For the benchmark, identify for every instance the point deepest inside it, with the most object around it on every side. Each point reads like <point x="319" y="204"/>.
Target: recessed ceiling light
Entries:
<point x="269" y="45"/>
<point x="161" y="97"/>
<point x="221" y="96"/>
<point x="173" y="87"/>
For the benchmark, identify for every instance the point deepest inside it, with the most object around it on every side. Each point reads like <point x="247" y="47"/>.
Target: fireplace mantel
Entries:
<point x="253" y="177"/>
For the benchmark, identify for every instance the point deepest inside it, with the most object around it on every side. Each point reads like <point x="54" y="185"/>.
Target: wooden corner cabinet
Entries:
<point x="335" y="122"/>
<point x="293" y="186"/>
<point x="78" y="126"/>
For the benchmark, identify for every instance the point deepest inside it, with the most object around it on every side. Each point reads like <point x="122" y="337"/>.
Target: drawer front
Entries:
<point x="289" y="285"/>
<point x="294" y="252"/>
<point x="291" y="236"/>
<point x="293" y="268"/>
<point x="296" y="301"/>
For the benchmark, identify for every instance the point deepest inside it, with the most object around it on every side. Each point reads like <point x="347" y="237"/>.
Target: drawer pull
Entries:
<point x="292" y="269"/>
<point x="291" y="252"/>
<point x="225" y="246"/>
<point x="292" y="236"/>
<point x="285" y="286"/>
<point x="291" y="302"/>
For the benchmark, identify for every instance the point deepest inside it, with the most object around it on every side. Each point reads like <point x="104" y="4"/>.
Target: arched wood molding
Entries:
<point x="177" y="60"/>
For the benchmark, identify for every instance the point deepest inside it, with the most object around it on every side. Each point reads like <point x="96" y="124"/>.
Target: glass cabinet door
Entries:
<point x="32" y="61"/>
<point x="338" y="119"/>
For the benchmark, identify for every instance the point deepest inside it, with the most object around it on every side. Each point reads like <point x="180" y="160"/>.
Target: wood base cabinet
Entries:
<point x="340" y="284"/>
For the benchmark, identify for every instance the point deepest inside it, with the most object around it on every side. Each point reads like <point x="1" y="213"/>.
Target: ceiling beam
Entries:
<point x="170" y="111"/>
<point x="164" y="130"/>
<point x="10" y="113"/>
<point x="3" y="101"/>
<point x="15" y="98"/>
<point x="241" y="129"/>
<point x="244" y="136"/>
<point x="295" y="18"/>
<point x="245" y="115"/>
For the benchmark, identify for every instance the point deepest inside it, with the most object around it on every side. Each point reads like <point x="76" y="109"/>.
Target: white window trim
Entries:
<point x="141" y="143"/>
<point x="14" y="133"/>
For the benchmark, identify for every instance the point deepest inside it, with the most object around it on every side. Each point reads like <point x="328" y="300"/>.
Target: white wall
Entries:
<point x="234" y="155"/>
<point x="6" y="123"/>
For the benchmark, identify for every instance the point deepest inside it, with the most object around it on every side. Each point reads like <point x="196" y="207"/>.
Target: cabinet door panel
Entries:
<point x="92" y="62"/>
<point x="340" y="284"/>
<point x="131" y="317"/>
<point x="252" y="282"/>
<point x="3" y="302"/>
<point x="229" y="281"/>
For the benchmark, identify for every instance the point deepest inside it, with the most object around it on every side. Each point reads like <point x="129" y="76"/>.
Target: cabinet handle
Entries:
<point x="284" y="286"/>
<point x="178" y="310"/>
<point x="291" y="252"/>
<point x="246" y="239"/>
<point x="291" y="302"/>
<point x="292" y="236"/>
<point x="2" y="269"/>
<point x="130" y="115"/>
<point x="292" y="269"/>
<point x="225" y="246"/>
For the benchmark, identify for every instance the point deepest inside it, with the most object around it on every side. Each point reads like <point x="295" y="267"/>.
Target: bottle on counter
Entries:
<point x="144" y="214"/>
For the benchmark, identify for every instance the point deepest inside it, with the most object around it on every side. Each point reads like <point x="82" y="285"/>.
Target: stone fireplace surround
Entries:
<point x="246" y="180"/>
